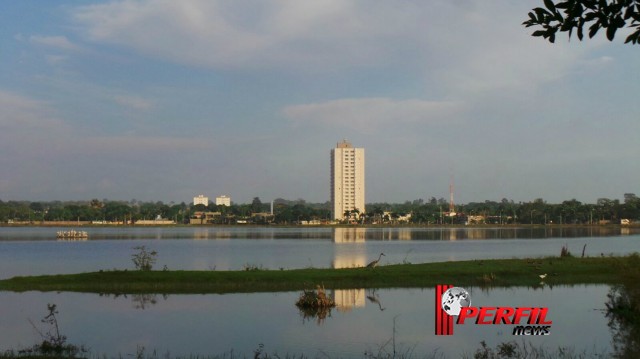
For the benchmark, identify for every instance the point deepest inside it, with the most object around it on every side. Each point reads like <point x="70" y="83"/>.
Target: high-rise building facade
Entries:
<point x="223" y="201"/>
<point x="347" y="179"/>
<point x="201" y="199"/>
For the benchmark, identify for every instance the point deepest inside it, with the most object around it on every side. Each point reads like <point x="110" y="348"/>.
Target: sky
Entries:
<point x="162" y="100"/>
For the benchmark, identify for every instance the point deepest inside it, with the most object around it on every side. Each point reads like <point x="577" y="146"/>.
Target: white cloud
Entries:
<point x="59" y="42"/>
<point x="284" y="33"/>
<point x="29" y="126"/>
<point x="461" y="46"/>
<point x="371" y="114"/>
<point x="487" y="49"/>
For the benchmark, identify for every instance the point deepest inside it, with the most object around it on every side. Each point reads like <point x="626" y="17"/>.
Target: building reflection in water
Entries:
<point x="349" y="235"/>
<point x="349" y="256"/>
<point x="205" y="233"/>
<point x="349" y="260"/>
<point x="347" y="299"/>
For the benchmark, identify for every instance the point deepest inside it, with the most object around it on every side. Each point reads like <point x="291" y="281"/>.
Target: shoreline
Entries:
<point x="409" y="225"/>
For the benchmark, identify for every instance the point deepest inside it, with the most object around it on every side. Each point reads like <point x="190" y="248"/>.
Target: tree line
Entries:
<point x="506" y="211"/>
<point x="431" y="211"/>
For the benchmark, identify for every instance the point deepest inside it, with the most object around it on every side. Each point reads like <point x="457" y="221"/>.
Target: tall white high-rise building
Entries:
<point x="347" y="179"/>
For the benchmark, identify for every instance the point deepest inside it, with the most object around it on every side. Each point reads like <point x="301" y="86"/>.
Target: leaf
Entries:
<point x="580" y="25"/>
<point x="629" y="12"/>
<point x="634" y="38"/>
<point x="568" y="25"/>
<point x="539" y="33"/>
<point x="577" y="10"/>
<point x="594" y="29"/>
<point x="590" y="16"/>
<point x="611" y="32"/>
<point x="550" y="5"/>
<point x="532" y="16"/>
<point x="540" y="15"/>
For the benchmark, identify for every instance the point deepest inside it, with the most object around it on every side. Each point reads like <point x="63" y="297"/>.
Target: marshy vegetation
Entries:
<point x="53" y="345"/>
<point x="496" y="272"/>
<point x="622" y="306"/>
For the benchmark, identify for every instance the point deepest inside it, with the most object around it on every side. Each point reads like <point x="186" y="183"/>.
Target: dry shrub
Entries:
<point x="315" y="304"/>
<point x="315" y="299"/>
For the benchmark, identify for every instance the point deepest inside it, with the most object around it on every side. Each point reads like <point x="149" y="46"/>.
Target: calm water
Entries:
<point x="26" y="251"/>
<point x="217" y="324"/>
<point x="363" y="322"/>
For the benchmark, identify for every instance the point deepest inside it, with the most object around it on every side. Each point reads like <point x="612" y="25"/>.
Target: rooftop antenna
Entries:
<point x="452" y="208"/>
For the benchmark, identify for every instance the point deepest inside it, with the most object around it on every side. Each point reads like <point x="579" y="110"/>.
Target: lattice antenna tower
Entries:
<point x="452" y="207"/>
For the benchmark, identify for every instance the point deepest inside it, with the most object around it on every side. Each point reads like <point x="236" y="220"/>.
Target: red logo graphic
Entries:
<point x="454" y="301"/>
<point x="444" y="322"/>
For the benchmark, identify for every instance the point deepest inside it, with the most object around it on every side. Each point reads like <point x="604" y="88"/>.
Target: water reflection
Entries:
<point x="213" y="324"/>
<point x="140" y="301"/>
<point x="335" y="234"/>
<point x="623" y="311"/>
<point x="361" y="234"/>
<point x="348" y="299"/>
<point x="33" y="251"/>
<point x="349" y="235"/>
<point x="315" y="304"/>
<point x="349" y="260"/>
<point x="374" y="298"/>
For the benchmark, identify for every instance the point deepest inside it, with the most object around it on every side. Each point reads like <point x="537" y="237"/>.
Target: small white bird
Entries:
<point x="543" y="276"/>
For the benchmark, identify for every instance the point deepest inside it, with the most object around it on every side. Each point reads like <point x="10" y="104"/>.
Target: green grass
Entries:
<point x="502" y="272"/>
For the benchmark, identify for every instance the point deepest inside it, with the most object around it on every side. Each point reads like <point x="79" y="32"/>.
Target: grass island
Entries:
<point x="567" y="270"/>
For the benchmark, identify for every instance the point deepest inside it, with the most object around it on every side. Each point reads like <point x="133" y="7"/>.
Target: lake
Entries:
<point x="364" y="321"/>
<point x="29" y="251"/>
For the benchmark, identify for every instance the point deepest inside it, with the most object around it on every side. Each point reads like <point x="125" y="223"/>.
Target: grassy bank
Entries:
<point x="503" y="272"/>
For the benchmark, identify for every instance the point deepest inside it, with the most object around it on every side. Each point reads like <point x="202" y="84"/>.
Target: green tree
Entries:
<point x="569" y="15"/>
<point x="116" y="211"/>
<point x="95" y="203"/>
<point x="256" y="205"/>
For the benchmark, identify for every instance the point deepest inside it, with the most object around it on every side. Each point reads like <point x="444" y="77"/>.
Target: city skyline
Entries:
<point x="167" y="100"/>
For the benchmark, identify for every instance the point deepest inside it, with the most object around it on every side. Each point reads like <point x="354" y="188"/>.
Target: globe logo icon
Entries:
<point x="454" y="299"/>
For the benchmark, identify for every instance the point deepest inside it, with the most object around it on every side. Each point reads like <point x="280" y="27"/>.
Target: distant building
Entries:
<point x="204" y="217"/>
<point x="347" y="180"/>
<point x="223" y="201"/>
<point x="201" y="199"/>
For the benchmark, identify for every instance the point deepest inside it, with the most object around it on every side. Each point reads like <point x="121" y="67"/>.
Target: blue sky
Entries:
<point x="164" y="100"/>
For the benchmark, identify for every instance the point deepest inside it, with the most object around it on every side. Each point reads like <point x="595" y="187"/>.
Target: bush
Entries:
<point x="144" y="260"/>
<point x="54" y="344"/>
<point x="315" y="304"/>
<point x="564" y="252"/>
